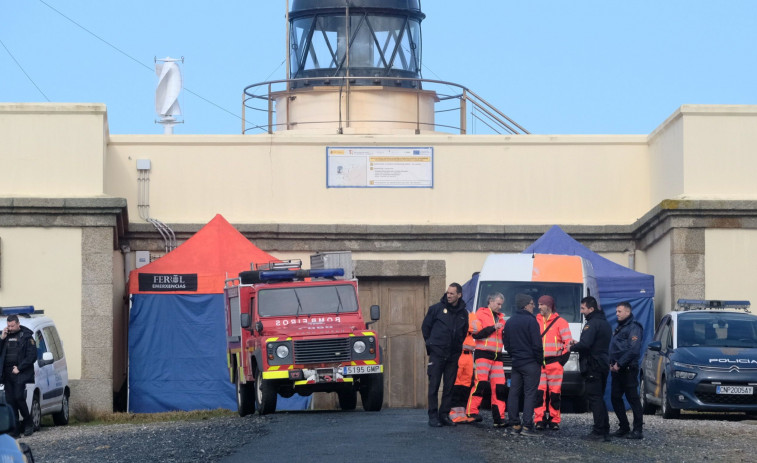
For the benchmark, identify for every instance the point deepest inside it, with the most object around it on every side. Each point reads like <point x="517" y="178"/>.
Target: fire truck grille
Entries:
<point x="321" y="351"/>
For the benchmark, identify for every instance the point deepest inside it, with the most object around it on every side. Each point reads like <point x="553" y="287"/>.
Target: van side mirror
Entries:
<point x="245" y="320"/>
<point x="259" y="327"/>
<point x="655" y="346"/>
<point x="47" y="359"/>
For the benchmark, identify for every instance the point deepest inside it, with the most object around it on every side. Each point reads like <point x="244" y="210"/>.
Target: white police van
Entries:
<point x="50" y="392"/>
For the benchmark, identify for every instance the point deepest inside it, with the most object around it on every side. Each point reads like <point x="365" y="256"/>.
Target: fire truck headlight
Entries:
<point x="282" y="351"/>
<point x="358" y="347"/>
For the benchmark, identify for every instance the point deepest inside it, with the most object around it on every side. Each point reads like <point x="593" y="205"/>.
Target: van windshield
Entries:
<point x="307" y="300"/>
<point x="567" y="296"/>
<point x="722" y="329"/>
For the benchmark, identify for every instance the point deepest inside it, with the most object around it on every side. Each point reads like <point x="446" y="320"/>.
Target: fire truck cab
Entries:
<point x="291" y="331"/>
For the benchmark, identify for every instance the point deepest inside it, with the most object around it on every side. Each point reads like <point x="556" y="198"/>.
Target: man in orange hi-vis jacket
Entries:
<point x="464" y="380"/>
<point x="487" y="331"/>
<point x="555" y="337"/>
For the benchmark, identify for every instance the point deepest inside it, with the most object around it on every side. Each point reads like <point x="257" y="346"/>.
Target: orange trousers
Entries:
<point x="550" y="386"/>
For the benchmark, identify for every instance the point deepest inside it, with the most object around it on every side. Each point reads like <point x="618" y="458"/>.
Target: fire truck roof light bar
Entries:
<point x="259" y="276"/>
<point x="703" y="304"/>
<point x="297" y="274"/>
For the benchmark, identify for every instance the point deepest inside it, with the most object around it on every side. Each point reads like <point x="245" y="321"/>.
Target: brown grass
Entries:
<point x="84" y="415"/>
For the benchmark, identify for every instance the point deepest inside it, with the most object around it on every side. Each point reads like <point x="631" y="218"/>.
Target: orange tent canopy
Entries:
<point x="201" y="264"/>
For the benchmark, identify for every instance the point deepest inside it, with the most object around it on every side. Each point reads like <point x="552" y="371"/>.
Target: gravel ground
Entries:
<point x="698" y="438"/>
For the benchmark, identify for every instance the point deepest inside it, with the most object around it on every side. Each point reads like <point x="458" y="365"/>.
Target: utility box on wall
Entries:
<point x="334" y="259"/>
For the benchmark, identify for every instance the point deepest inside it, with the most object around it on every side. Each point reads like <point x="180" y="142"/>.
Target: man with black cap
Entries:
<point x="594" y="360"/>
<point x="523" y="343"/>
<point x="444" y="330"/>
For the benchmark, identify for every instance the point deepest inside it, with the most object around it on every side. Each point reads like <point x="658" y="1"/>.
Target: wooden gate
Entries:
<point x="403" y="305"/>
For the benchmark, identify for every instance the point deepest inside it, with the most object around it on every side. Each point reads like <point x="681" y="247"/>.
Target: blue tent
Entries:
<point x="615" y="282"/>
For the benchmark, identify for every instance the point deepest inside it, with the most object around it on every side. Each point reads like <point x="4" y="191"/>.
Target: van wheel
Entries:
<point x="36" y="412"/>
<point x="265" y="395"/>
<point x="245" y="397"/>
<point x="667" y="410"/>
<point x="646" y="407"/>
<point x="61" y="418"/>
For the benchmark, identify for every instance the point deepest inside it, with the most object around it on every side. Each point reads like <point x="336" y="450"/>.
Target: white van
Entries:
<point x="567" y="279"/>
<point x="50" y="392"/>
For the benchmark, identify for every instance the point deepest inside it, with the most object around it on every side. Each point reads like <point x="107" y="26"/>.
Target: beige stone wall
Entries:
<point x="658" y="262"/>
<point x="730" y="263"/>
<point x="43" y="267"/>
<point x="52" y="149"/>
<point x="282" y="179"/>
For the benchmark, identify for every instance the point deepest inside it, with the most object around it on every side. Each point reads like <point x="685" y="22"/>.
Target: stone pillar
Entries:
<point x="95" y="388"/>
<point x="687" y="264"/>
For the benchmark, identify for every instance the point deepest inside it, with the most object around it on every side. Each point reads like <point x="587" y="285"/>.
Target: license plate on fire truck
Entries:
<point x="361" y="369"/>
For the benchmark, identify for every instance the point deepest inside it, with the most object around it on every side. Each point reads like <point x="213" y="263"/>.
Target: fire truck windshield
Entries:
<point x="308" y="300"/>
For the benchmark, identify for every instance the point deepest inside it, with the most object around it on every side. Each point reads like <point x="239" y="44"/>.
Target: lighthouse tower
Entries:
<point x="354" y="67"/>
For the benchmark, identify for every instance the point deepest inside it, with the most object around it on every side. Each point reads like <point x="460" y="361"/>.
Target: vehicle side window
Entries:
<point x="55" y="346"/>
<point x="668" y="342"/>
<point x="664" y="335"/>
<point x="41" y="346"/>
<point x="662" y="330"/>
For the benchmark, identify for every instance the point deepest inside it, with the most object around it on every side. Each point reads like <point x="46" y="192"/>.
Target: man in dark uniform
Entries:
<point x="523" y="343"/>
<point x="625" y="350"/>
<point x="18" y="352"/>
<point x="444" y="330"/>
<point x="594" y="360"/>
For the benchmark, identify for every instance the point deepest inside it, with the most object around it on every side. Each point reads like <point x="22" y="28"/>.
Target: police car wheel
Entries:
<point x="36" y="413"/>
<point x="61" y="418"/>
<point x="647" y="407"/>
<point x="667" y="410"/>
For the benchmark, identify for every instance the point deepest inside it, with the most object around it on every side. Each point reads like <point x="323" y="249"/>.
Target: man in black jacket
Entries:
<point x="18" y="352"/>
<point x="523" y="343"/>
<point x="625" y="350"/>
<point x="444" y="330"/>
<point x="594" y="360"/>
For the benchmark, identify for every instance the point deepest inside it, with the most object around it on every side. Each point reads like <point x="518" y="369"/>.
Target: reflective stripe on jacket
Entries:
<point x="558" y="337"/>
<point x="484" y="323"/>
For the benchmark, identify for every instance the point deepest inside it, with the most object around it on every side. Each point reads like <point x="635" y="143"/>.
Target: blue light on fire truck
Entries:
<point x="17" y="310"/>
<point x="269" y="275"/>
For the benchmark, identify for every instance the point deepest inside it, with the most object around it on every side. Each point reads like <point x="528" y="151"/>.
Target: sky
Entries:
<point x="553" y="66"/>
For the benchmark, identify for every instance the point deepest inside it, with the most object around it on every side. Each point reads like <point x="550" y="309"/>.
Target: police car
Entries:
<point x="50" y="392"/>
<point x="703" y="357"/>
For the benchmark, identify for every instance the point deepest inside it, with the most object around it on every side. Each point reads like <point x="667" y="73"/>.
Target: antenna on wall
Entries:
<point x="167" y="92"/>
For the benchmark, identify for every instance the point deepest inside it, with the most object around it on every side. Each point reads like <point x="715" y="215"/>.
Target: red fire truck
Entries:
<point x="291" y="331"/>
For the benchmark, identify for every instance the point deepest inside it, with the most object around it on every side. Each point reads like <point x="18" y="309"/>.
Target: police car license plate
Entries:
<point x="736" y="390"/>
<point x="361" y="369"/>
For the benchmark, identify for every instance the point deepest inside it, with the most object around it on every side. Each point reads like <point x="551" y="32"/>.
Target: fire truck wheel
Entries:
<point x="347" y="399"/>
<point x="372" y="392"/>
<point x="245" y="398"/>
<point x="265" y="395"/>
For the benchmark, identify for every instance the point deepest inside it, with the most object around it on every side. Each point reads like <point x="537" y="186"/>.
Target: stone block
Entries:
<point x="97" y="268"/>
<point x="97" y="363"/>
<point x="687" y="241"/>
<point x="96" y="395"/>
<point x="97" y="300"/>
<point x="96" y="240"/>
<point x="687" y="269"/>
<point x="97" y="332"/>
